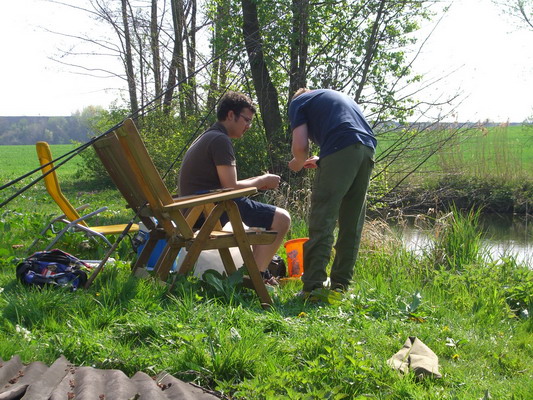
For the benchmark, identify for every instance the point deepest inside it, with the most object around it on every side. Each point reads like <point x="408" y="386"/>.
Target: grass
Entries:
<point x="504" y="151"/>
<point x="487" y="152"/>
<point x="479" y="167"/>
<point x="17" y="160"/>
<point x="472" y="313"/>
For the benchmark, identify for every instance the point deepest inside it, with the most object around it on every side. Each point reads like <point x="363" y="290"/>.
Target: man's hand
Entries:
<point x="311" y="162"/>
<point x="269" y="181"/>
<point x="296" y="165"/>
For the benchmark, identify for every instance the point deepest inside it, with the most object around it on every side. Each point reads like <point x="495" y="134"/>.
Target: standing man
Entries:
<point x="210" y="164"/>
<point x="347" y="144"/>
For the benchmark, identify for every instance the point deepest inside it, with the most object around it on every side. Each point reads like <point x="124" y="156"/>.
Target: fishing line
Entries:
<point x="142" y="111"/>
<point x="134" y="115"/>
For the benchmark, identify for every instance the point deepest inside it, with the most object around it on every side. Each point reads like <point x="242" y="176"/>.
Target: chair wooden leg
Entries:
<point x="167" y="258"/>
<point x="193" y="252"/>
<point x="227" y="261"/>
<point x="146" y="252"/>
<point x="247" y="255"/>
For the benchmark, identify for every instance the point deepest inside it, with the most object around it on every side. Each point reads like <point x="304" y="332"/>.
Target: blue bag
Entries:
<point x="54" y="267"/>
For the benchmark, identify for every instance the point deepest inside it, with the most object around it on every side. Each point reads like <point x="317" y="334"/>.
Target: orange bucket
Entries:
<point x="295" y="256"/>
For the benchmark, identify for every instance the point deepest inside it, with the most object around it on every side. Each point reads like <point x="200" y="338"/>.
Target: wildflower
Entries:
<point x="25" y="333"/>
<point x="235" y="335"/>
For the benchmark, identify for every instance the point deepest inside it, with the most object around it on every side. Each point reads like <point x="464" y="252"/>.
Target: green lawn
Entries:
<point x="500" y="151"/>
<point x="472" y="313"/>
<point x="18" y="160"/>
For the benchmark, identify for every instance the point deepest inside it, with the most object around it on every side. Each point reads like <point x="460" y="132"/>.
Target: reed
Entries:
<point x="457" y="239"/>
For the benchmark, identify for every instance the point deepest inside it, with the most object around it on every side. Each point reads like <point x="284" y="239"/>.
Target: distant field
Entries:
<point x="17" y="160"/>
<point x="504" y="151"/>
<point x="517" y="141"/>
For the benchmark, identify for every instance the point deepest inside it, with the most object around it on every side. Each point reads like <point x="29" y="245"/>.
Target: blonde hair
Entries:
<point x="300" y="92"/>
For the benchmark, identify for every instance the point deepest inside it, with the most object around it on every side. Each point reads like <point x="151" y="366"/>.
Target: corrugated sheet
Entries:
<point x="64" y="381"/>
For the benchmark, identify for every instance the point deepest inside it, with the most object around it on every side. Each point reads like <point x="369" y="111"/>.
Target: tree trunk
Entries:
<point x="128" y="60"/>
<point x="218" y="73"/>
<point x="191" y="60"/>
<point x="177" y="68"/>
<point x="299" y="45"/>
<point x="267" y="94"/>
<point x="370" y="50"/>
<point x="156" y="56"/>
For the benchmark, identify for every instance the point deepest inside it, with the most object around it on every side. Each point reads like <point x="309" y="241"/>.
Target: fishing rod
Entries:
<point x="141" y="111"/>
<point x="135" y="114"/>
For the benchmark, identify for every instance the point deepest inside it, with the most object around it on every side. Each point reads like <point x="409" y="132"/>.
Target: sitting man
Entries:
<point x="210" y="164"/>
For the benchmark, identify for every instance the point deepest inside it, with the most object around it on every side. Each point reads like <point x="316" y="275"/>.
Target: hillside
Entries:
<point x="55" y="130"/>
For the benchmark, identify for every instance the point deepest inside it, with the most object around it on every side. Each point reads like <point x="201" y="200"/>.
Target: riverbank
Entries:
<point x="491" y="195"/>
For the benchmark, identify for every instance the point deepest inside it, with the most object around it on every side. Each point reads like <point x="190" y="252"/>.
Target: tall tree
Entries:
<point x="128" y="58"/>
<point x="267" y="93"/>
<point x="155" y="50"/>
<point x="354" y="46"/>
<point x="177" y="65"/>
<point x="299" y="45"/>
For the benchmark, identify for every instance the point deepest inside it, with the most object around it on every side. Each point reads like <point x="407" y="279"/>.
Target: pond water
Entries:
<point x="503" y="235"/>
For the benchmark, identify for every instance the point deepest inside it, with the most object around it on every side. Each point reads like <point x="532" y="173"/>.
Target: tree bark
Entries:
<point x="370" y="50"/>
<point x="267" y="94"/>
<point x="156" y="55"/>
<point x="299" y="45"/>
<point x="128" y="60"/>
<point x="191" y="59"/>
<point x="177" y="67"/>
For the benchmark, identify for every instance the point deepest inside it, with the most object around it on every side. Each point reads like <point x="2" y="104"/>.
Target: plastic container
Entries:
<point x="295" y="256"/>
<point x="156" y="252"/>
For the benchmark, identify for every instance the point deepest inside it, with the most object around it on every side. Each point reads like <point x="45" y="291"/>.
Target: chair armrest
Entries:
<point x="198" y="200"/>
<point x="89" y="215"/>
<point x="63" y="217"/>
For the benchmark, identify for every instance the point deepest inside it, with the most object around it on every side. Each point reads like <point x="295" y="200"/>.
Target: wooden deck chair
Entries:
<point x="140" y="182"/>
<point x="71" y="217"/>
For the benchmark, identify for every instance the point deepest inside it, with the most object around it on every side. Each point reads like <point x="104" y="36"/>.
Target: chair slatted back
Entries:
<point x="150" y="181"/>
<point x="111" y="154"/>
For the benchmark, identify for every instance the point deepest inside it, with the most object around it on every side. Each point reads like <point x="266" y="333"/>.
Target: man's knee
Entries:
<point x="281" y="221"/>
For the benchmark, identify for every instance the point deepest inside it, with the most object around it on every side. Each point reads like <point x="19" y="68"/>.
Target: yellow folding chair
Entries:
<point x="71" y="218"/>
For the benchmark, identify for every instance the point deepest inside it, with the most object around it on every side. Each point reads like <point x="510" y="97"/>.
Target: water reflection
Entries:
<point x="503" y="236"/>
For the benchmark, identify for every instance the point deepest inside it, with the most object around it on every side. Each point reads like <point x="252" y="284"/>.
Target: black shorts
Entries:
<point x="253" y="213"/>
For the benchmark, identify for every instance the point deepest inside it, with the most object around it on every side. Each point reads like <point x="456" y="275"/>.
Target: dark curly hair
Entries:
<point x="235" y="102"/>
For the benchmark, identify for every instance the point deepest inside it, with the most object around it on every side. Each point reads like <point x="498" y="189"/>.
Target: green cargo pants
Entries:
<point x="339" y="195"/>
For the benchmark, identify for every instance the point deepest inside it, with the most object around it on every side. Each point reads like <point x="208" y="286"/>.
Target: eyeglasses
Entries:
<point x="248" y="120"/>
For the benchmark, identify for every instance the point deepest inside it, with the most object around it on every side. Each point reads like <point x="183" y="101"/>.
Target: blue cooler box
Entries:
<point x="143" y="237"/>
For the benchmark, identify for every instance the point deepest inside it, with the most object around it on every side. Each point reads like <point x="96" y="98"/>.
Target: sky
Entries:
<point x="481" y="52"/>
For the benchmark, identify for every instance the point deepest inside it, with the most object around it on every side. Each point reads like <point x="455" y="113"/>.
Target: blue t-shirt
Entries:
<point x="334" y="120"/>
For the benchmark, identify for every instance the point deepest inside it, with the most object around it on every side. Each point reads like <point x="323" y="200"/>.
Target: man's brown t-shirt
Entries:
<point x="198" y="170"/>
